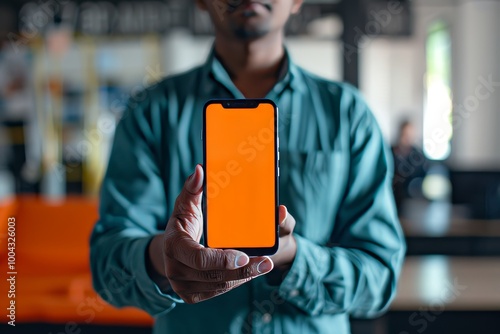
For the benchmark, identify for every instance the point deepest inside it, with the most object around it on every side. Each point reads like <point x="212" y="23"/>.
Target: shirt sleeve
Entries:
<point x="132" y="206"/>
<point x="359" y="273"/>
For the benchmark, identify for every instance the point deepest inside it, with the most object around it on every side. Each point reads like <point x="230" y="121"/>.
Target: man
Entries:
<point x="341" y="247"/>
<point x="410" y="166"/>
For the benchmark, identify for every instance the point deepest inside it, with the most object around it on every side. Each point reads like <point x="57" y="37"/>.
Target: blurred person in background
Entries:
<point x="341" y="246"/>
<point x="410" y="165"/>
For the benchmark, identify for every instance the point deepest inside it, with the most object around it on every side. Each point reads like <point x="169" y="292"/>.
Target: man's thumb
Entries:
<point x="187" y="209"/>
<point x="194" y="185"/>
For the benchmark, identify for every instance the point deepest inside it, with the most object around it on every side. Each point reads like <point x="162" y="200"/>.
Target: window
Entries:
<point x="438" y="129"/>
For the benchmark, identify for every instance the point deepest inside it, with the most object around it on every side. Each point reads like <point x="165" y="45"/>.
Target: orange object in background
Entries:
<point x="53" y="281"/>
<point x="7" y="209"/>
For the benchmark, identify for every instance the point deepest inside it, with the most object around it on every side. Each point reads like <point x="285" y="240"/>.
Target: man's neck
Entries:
<point x="253" y="65"/>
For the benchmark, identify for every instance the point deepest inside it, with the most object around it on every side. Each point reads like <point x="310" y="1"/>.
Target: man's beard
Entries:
<point x="245" y="33"/>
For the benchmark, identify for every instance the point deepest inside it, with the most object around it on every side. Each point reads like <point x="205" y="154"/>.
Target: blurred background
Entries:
<point x="428" y="68"/>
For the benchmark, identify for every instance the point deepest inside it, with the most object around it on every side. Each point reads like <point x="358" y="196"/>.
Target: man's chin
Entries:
<point x="250" y="31"/>
<point x="247" y="34"/>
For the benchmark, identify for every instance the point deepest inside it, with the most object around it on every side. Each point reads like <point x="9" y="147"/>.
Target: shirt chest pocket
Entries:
<point x="310" y="189"/>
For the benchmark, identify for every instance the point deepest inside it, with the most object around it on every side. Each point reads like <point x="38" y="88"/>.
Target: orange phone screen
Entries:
<point x="240" y="182"/>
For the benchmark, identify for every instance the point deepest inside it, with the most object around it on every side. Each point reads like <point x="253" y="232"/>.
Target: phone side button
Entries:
<point x="278" y="171"/>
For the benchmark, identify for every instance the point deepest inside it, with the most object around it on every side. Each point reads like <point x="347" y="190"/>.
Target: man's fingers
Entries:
<point x="287" y="222"/>
<point x="257" y="266"/>
<point x="196" y="291"/>
<point x="194" y="255"/>
<point x="191" y="287"/>
<point x="283" y="213"/>
<point x="196" y="297"/>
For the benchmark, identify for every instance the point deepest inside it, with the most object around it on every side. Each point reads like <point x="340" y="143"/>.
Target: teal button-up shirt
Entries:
<point x="335" y="180"/>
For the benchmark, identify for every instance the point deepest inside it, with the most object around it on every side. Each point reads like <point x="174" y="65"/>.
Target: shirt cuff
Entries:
<point x="159" y="302"/>
<point x="298" y="284"/>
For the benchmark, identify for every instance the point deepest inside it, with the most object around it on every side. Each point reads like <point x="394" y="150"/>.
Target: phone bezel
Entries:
<point x="244" y="104"/>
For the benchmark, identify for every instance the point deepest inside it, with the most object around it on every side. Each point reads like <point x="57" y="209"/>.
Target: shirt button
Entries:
<point x="266" y="318"/>
<point x="294" y="293"/>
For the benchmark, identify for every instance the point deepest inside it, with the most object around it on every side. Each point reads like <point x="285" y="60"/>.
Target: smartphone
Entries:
<point x="241" y="163"/>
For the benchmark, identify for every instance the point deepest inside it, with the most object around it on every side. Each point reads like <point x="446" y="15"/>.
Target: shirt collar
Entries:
<point x="215" y="73"/>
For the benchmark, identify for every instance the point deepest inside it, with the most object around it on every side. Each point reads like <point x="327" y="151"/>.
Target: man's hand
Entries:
<point x="285" y="255"/>
<point x="194" y="272"/>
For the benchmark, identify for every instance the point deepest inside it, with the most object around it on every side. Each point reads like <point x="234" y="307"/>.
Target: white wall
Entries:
<point x="477" y="55"/>
<point x="391" y="83"/>
<point x="182" y="51"/>
<point x="320" y="56"/>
